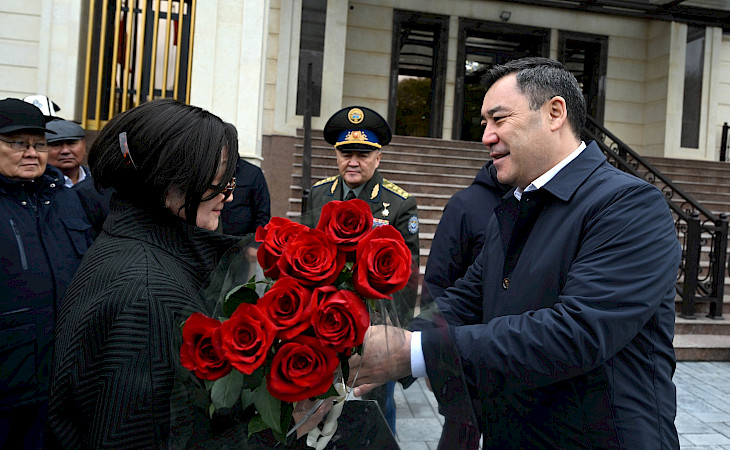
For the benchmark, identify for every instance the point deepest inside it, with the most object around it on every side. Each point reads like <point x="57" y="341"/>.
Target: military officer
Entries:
<point x="358" y="135"/>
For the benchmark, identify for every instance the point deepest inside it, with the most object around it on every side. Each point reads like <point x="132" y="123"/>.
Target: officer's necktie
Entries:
<point x="350" y="195"/>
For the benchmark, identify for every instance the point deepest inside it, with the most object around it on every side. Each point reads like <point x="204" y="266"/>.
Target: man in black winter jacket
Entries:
<point x="456" y="244"/>
<point x="44" y="233"/>
<point x="460" y="234"/>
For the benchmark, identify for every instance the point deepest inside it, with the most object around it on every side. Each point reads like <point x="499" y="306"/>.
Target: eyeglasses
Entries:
<point x="21" y="146"/>
<point x="227" y="190"/>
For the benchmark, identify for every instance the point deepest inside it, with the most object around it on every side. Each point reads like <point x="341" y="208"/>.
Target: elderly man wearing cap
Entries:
<point x="67" y="151"/>
<point x="358" y="134"/>
<point x="44" y="233"/>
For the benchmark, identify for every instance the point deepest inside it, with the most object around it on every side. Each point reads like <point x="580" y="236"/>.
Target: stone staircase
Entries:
<point x="432" y="170"/>
<point x="702" y="339"/>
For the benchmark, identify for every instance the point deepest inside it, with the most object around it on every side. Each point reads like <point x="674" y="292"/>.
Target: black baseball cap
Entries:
<point x="17" y="115"/>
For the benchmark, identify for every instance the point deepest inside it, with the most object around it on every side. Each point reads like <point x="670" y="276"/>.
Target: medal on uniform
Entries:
<point x="385" y="209"/>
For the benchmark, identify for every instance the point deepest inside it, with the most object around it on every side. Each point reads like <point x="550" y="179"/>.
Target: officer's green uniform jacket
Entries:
<point x="389" y="204"/>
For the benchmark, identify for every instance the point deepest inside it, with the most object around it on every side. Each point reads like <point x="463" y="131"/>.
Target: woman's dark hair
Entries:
<point x="174" y="148"/>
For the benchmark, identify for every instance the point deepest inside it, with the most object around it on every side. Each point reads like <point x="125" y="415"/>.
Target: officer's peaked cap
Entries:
<point x="357" y="128"/>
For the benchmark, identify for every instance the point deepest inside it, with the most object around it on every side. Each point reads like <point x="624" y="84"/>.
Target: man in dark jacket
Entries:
<point x="456" y="244"/>
<point x="563" y="325"/>
<point x="461" y="231"/>
<point x="67" y="151"/>
<point x="44" y="233"/>
<point x="251" y="205"/>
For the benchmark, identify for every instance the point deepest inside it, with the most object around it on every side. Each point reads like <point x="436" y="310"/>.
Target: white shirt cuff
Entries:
<point x="418" y="362"/>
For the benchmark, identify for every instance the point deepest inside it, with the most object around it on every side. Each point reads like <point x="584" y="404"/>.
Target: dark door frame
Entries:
<point x="602" y="41"/>
<point x="440" y="26"/>
<point x="469" y="27"/>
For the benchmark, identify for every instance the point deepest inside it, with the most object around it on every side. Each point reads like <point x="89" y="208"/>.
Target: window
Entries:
<point x="693" y="68"/>
<point x="418" y="74"/>
<point x="311" y="51"/>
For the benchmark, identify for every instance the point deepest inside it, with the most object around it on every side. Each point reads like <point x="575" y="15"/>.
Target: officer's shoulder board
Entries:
<point x="325" y="181"/>
<point x="394" y="188"/>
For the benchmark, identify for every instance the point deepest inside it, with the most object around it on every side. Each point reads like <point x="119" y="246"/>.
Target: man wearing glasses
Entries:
<point x="44" y="232"/>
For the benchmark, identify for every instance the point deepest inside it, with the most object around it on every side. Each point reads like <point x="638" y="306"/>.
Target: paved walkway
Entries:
<point x="703" y="409"/>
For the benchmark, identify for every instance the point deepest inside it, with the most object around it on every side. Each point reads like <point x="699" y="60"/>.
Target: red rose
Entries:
<point x="246" y="338"/>
<point x="289" y="306"/>
<point x="274" y="237"/>
<point x="346" y="223"/>
<point x="302" y="368"/>
<point x="383" y="263"/>
<point x="340" y="318"/>
<point x="312" y="258"/>
<point x="201" y="350"/>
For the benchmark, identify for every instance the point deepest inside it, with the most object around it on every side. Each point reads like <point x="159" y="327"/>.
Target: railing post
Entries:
<point x="691" y="266"/>
<point x="723" y="142"/>
<point x="307" y="147"/>
<point x="719" y="267"/>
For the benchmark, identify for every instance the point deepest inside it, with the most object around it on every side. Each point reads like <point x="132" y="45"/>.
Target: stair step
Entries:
<point x="702" y="325"/>
<point x="702" y="347"/>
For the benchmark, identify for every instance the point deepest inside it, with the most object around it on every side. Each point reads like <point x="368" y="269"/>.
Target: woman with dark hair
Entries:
<point x="171" y="167"/>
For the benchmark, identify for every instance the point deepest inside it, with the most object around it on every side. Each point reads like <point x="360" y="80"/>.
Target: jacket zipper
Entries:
<point x="21" y="249"/>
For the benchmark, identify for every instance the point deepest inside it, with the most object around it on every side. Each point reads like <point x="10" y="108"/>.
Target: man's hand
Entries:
<point x="386" y="356"/>
<point x="251" y="254"/>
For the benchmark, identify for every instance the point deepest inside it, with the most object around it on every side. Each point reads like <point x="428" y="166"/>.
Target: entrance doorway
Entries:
<point x="481" y="46"/>
<point x="418" y="74"/>
<point x="585" y="56"/>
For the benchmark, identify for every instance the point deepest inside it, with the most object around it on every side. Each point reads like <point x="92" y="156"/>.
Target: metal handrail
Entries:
<point x="633" y="161"/>
<point x="702" y="234"/>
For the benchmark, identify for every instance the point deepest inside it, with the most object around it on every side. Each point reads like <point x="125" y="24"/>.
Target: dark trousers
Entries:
<point x="22" y="427"/>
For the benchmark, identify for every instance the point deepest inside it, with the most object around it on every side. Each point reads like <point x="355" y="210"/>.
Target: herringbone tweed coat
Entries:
<point x="118" y="333"/>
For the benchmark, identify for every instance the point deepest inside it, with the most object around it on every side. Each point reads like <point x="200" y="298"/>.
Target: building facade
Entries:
<point x="656" y="74"/>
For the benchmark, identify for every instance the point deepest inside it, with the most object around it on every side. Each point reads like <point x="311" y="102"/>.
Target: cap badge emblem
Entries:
<point x="355" y="115"/>
<point x="356" y="135"/>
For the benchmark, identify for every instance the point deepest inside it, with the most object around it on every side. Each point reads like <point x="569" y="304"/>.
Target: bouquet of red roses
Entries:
<point x="293" y="342"/>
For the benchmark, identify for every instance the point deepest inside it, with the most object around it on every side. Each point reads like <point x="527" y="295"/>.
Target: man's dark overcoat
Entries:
<point x="571" y="343"/>
<point x="44" y="234"/>
<point x="460" y="233"/>
<point x="251" y="205"/>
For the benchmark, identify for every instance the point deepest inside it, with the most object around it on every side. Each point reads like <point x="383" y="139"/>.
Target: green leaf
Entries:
<point x="246" y="398"/>
<point x="344" y="280"/>
<point x="236" y="296"/>
<point x="256" y="425"/>
<point x="269" y="407"/>
<point x="254" y="380"/>
<point x="211" y="410"/>
<point x="227" y="390"/>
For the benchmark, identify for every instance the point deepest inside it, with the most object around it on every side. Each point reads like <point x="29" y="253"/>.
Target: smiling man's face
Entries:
<point x="514" y="134"/>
